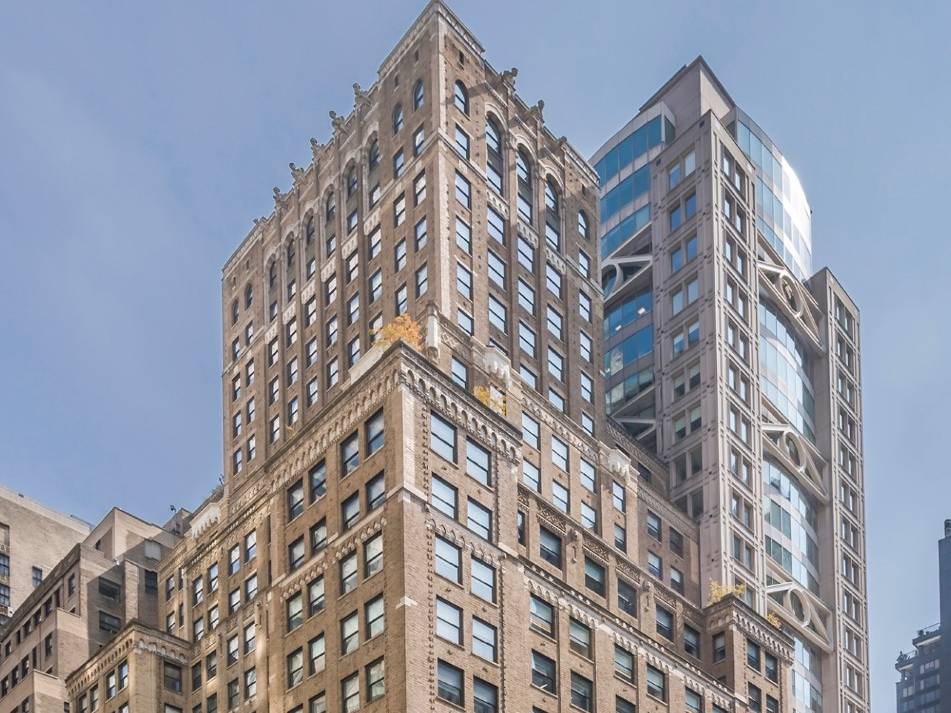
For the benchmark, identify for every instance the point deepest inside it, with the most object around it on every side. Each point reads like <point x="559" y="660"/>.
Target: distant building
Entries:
<point x="920" y="688"/>
<point x="33" y="538"/>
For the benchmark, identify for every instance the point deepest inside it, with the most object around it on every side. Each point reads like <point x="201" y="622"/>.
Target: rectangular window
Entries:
<point x="582" y="692"/>
<point x="498" y="314"/>
<point x="656" y="683"/>
<point x="543" y="673"/>
<point x="526" y="254"/>
<point x="549" y="547"/>
<point x="422" y="280"/>
<point x="373" y="556"/>
<point x="477" y="462"/>
<point x="463" y="191"/>
<point x="553" y="280"/>
<point x="541" y="616"/>
<point x="420" y="234"/>
<point x="460" y="373"/>
<point x="495" y="226"/>
<point x="594" y="576"/>
<point x="443" y="438"/>
<point x="449" y="683"/>
<point x="350" y="511"/>
<point x="464" y="320"/>
<point x="554" y="322"/>
<point x="496" y="269"/>
<point x="448" y="560"/>
<point x="448" y="621"/>
<point x="579" y="638"/>
<point x="348" y="573"/>
<point x="624" y="663"/>
<point x="350" y="454"/>
<point x="463" y="281"/>
<point x="444" y="497"/>
<point x="484" y="640"/>
<point x="482" y="583"/>
<point x="485" y="696"/>
<point x="462" y="142"/>
<point x="526" y="297"/>
<point x="479" y="519"/>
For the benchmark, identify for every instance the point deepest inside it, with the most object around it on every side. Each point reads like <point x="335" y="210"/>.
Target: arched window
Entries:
<point x="552" y="215"/>
<point x="272" y="274"/>
<point x="373" y="156"/>
<point x="461" y="98"/>
<point x="493" y="163"/>
<point x="351" y="181"/>
<point x="331" y="210"/>
<point x="397" y="118"/>
<point x="234" y="312"/>
<point x="523" y="172"/>
<point x="418" y="94"/>
<point x="290" y="252"/>
<point x="309" y="230"/>
<point x="582" y="224"/>
<point x="248" y="296"/>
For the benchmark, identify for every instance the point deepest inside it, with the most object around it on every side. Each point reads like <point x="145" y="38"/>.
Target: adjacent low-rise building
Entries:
<point x="33" y="538"/>
<point x="103" y="582"/>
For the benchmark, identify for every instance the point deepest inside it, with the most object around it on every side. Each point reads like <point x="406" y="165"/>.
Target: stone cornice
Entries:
<point x="135" y="637"/>
<point x="542" y="411"/>
<point x="731" y="611"/>
<point x="332" y="554"/>
<point x="576" y="535"/>
<point x="398" y="367"/>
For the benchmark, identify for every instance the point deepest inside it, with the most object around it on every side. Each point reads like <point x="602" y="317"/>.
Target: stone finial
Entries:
<point x="497" y="365"/>
<point x="619" y="464"/>
<point x="314" y="148"/>
<point x="296" y="172"/>
<point x="537" y="110"/>
<point x="433" y="334"/>
<point x="337" y="122"/>
<point x="361" y="98"/>
<point x="277" y="194"/>
<point x="508" y="78"/>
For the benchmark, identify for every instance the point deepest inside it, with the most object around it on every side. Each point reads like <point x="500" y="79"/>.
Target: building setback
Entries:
<point x="33" y="538"/>
<point x="740" y="368"/>
<point x="921" y="687"/>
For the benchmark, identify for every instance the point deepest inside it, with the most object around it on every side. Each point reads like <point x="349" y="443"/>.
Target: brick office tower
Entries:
<point x="447" y="522"/>
<point x="740" y="367"/>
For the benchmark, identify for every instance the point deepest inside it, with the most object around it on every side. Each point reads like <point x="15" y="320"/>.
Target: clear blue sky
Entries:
<point x="138" y="140"/>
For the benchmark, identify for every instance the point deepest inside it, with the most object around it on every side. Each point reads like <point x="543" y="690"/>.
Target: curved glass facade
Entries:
<point x="632" y="147"/>
<point x="626" y="192"/>
<point x="627" y="311"/>
<point x="806" y="678"/>
<point x="631" y="386"/>
<point x="790" y="526"/>
<point x="638" y="345"/>
<point x="782" y="211"/>
<point x="618" y="235"/>
<point x="785" y="371"/>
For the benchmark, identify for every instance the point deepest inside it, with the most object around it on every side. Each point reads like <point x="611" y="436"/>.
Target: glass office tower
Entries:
<point x="739" y="365"/>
